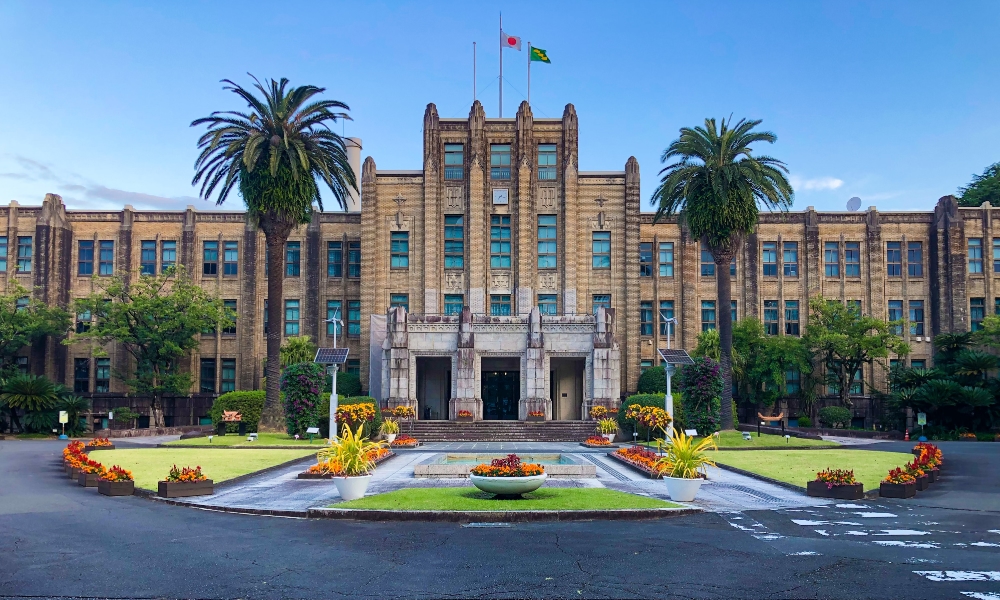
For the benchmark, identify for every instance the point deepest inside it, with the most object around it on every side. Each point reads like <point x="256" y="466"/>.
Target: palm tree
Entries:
<point x="297" y="349"/>
<point x="28" y="393"/>
<point x="715" y="185"/>
<point x="274" y="153"/>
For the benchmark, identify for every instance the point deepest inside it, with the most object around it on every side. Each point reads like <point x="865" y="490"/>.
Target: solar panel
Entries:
<point x="331" y="356"/>
<point x="676" y="357"/>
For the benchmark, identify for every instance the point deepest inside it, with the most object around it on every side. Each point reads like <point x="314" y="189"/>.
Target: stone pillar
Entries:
<point x="630" y="320"/>
<point x="573" y="244"/>
<point x="522" y="198"/>
<point x="371" y="294"/>
<point x="466" y="392"/>
<point x="536" y="392"/>
<point x="606" y="362"/>
<point x="433" y="221"/>
<point x="398" y="342"/>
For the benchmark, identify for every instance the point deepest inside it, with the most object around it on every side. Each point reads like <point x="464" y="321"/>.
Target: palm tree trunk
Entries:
<point x="273" y="415"/>
<point x="724" y="288"/>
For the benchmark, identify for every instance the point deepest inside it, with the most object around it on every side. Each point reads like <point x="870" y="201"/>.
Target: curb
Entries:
<point x="151" y="494"/>
<point x="514" y="516"/>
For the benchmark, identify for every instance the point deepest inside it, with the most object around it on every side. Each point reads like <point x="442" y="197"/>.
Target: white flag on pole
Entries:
<point x="510" y="41"/>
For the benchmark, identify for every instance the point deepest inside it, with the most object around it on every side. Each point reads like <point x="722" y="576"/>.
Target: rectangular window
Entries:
<point x="975" y="255"/>
<point x="354" y="318"/>
<point x="996" y="306"/>
<point x="168" y="255"/>
<point x="601" y="300"/>
<point x="354" y="259"/>
<point x="207" y="376"/>
<point x="831" y="259"/>
<point x="402" y="300"/>
<point x="83" y="322"/>
<point x="334" y="311"/>
<point x="500" y="305"/>
<point x="546" y="162"/>
<point x="230" y="258"/>
<point x="645" y="259"/>
<point x="916" y="317"/>
<point x="771" y="317"/>
<point x="666" y="312"/>
<point x="732" y="267"/>
<point x="3" y="254"/>
<point x="893" y="259"/>
<point x="793" y="382"/>
<point x="790" y="257"/>
<point x="265" y="318"/>
<point x="24" y="254"/>
<point x="106" y="257"/>
<point x="918" y="364"/>
<point x="102" y="383"/>
<point x="453" y="304"/>
<point x="354" y="366"/>
<point x="293" y="259"/>
<point x="454" y="161"/>
<point x="399" y="248"/>
<point x="85" y="258"/>
<point x="791" y="317"/>
<point x="210" y="259"/>
<point x="500" y="242"/>
<point x="977" y="312"/>
<point x="769" y="258"/>
<point x="81" y="375"/>
<point x="499" y="161"/>
<point x="230" y="305"/>
<point x="852" y="259"/>
<point x="228" y="375"/>
<point x="454" y="242"/>
<point x="707" y="315"/>
<point x="22" y="303"/>
<point x="896" y="314"/>
<point x="732" y="310"/>
<point x="915" y="259"/>
<point x="147" y="257"/>
<point x="707" y="262"/>
<point x="646" y="317"/>
<point x="335" y="259"/>
<point x="854" y="306"/>
<point x="291" y="317"/>
<point x="601" y="249"/>
<point x="548" y="304"/>
<point x="547" y="242"/>
<point x="22" y="365"/>
<point x="666" y="259"/>
<point x="645" y="364"/>
<point x="858" y="387"/>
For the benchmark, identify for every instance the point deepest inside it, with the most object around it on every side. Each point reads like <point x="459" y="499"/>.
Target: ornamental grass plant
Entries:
<point x="607" y="425"/>
<point x="389" y="426"/>
<point x="685" y="456"/>
<point x="353" y="451"/>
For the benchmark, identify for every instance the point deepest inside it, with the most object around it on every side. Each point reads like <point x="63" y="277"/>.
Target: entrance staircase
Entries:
<point x="499" y="431"/>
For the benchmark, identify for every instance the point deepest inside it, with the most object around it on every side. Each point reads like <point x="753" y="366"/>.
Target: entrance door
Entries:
<point x="501" y="391"/>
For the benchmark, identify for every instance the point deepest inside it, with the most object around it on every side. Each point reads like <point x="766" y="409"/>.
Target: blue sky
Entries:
<point x="895" y="102"/>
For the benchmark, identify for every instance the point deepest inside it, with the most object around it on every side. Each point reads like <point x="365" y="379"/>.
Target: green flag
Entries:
<point x="539" y="55"/>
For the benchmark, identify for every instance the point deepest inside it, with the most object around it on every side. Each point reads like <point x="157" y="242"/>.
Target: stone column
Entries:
<point x="536" y="392"/>
<point x="606" y="363"/>
<point x="522" y="198"/>
<point x="433" y="221"/>
<point x="399" y="358"/>
<point x="572" y="234"/>
<point x="466" y="392"/>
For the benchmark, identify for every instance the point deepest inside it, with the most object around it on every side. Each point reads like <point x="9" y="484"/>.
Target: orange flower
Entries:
<point x="116" y="473"/>
<point x="465" y="413"/>
<point x="186" y="475"/>
<point x="404" y="441"/>
<point x="597" y="440"/>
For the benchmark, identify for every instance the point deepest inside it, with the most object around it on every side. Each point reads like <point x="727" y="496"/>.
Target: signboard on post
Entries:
<point x="63" y="417"/>
<point x="921" y="419"/>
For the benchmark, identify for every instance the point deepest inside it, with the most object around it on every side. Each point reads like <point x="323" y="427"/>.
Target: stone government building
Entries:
<point x="500" y="278"/>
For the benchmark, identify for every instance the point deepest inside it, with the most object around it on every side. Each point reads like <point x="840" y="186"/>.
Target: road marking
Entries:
<point x="902" y="544"/>
<point x="875" y="515"/>
<point x="486" y="525"/>
<point x="805" y="553"/>
<point x="805" y="522"/>
<point x="851" y="506"/>
<point x="902" y="532"/>
<point x="982" y="595"/>
<point x="960" y="575"/>
<point x="985" y="545"/>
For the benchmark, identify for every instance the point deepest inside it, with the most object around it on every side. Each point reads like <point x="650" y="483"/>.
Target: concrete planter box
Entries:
<point x="934" y="474"/>
<point x="352" y="488"/>
<point x="897" y="490"/>
<point x="74" y="473"/>
<point x="87" y="479"/>
<point x="819" y="489"/>
<point x="531" y="419"/>
<point x="508" y="486"/>
<point x="183" y="489"/>
<point x="116" y="488"/>
<point x="465" y="419"/>
<point x="923" y="483"/>
<point x="92" y="448"/>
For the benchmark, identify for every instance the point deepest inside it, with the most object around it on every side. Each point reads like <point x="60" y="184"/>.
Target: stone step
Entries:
<point x="496" y="431"/>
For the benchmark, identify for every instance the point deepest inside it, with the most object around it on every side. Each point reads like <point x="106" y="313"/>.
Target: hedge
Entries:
<point x="831" y="416"/>
<point x="370" y="430"/>
<point x="248" y="403"/>
<point x="653" y="381"/>
<point x="628" y="427"/>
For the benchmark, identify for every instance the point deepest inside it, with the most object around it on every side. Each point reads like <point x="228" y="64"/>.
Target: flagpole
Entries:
<point x="529" y="73"/>
<point x="501" y="65"/>
<point x="473" y="72"/>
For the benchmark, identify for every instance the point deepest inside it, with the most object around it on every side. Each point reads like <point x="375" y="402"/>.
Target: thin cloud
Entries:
<point x="815" y="184"/>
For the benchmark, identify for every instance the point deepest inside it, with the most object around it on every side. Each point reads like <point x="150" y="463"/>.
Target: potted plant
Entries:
<point x="90" y="470"/>
<point x="465" y="416"/>
<point x="536" y="415"/>
<point x="607" y="428"/>
<point x="508" y="477"/>
<point x="836" y="483"/>
<point x="181" y="483"/>
<point x="99" y="444"/>
<point x="353" y="455"/>
<point x="923" y="481"/>
<point x="598" y="412"/>
<point x="597" y="441"/>
<point x="389" y="430"/>
<point x="116" y="481"/>
<point x="898" y="484"/>
<point x="684" y="465"/>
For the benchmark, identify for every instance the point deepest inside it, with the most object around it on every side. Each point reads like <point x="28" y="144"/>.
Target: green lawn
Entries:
<point x="150" y="465"/>
<point x="263" y="439"/>
<point x="734" y="439"/>
<point x="469" y="498"/>
<point x="800" y="466"/>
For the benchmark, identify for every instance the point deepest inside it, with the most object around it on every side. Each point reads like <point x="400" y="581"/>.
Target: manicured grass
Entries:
<point x="263" y="439"/>
<point x="151" y="465"/>
<point x="470" y="498"/>
<point x="800" y="466"/>
<point x="734" y="439"/>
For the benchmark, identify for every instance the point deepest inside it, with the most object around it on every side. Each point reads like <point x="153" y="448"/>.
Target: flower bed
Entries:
<point x="642" y="459"/>
<point x="898" y="484"/>
<point x="967" y="437"/>
<point x="99" y="444"/>
<point x="597" y="441"/>
<point x="464" y="415"/>
<point x="536" y="415"/>
<point x="181" y="483"/>
<point x="116" y="481"/>
<point x="508" y="467"/>
<point x="835" y="483"/>
<point x="508" y="477"/>
<point x="405" y="441"/>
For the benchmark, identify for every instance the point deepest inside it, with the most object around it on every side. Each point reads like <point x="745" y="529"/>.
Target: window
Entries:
<point x="644" y="365"/>
<point x="915" y="258"/>
<point x="210" y="259"/>
<point x="732" y="310"/>
<point x="354" y="259"/>
<point x="107" y="257"/>
<point x="230" y="305"/>
<point x="769" y="259"/>
<point x="24" y="254"/>
<point x="265" y="317"/>
<point x="500" y="304"/>
<point x="918" y="364"/>
<point x="601" y="249"/>
<point x="852" y="259"/>
<point x="3" y="254"/>
<point x="707" y="315"/>
<point x="399" y="248"/>
<point x="291" y="317"/>
<point x="916" y="317"/>
<point x="402" y="300"/>
<point x="453" y="304"/>
<point x="893" y="259"/>
<point x="22" y="365"/>
<point x="102" y="383"/>
<point x="601" y="300"/>
<point x="546" y="241"/>
<point x="707" y="262"/>
<point x="228" y="375"/>
<point x="793" y="382"/>
<point x="977" y="312"/>
<point x="831" y="259"/>
<point x="500" y="242"/>
<point x="334" y="311"/>
<point x="454" y="161"/>
<point x="85" y="258"/>
<point x="168" y="255"/>
<point x="858" y="387"/>
<point x="645" y="259"/>
<point x="83" y="322"/>
<point x="354" y="317"/>
<point x="207" y="376"/>
<point x="791" y="317"/>
<point x="81" y="375"/>
<point x="546" y="162"/>
<point x="548" y="304"/>
<point x="147" y="257"/>
<point x="975" y="255"/>
<point x="666" y="312"/>
<point x="454" y="242"/>
<point x="335" y="259"/>
<point x="646" y="317"/>
<point x="354" y="366"/>
<point x="896" y="314"/>
<point x="666" y="259"/>
<point x="732" y="267"/>
<point x="996" y="306"/>
<point x="22" y="303"/>
<point x="293" y="259"/>
<point x="230" y="258"/>
<point x="854" y="306"/>
<point x="771" y="317"/>
<point x="790" y="257"/>
<point x="499" y="161"/>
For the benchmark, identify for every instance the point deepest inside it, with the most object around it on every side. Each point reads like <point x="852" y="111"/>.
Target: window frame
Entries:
<point x="595" y="303"/>
<point x="790" y="266"/>
<point x="25" y="253"/>
<point x="231" y="304"/>
<point x="831" y="250"/>
<point x="454" y="171"/>
<point x="975" y="324"/>
<point x="771" y="318"/>
<point x="645" y="259"/>
<point x="707" y="267"/>
<point x="500" y="305"/>
<point x="709" y="307"/>
<point x="354" y="259"/>
<point x="207" y="366"/>
<point x="852" y="259"/>
<point x="500" y="162"/>
<point x="500" y="242"/>
<point x="399" y="250"/>
<point x="230" y="268"/>
<point x="400" y="299"/>
<point x="915" y="259"/>
<point x="975" y="254"/>
<point x="548" y="242"/>
<point x="85" y="258"/>
<point x="145" y="248"/>
<point x="454" y="242"/>
<point x="293" y="307"/>
<point x="916" y="317"/>
<point x="81" y="385"/>
<point x="894" y="259"/>
<point x="600" y="250"/>
<point x="792" y="318"/>
<point x="4" y="253"/>
<point x="769" y="259"/>
<point x="102" y="375"/>
<point x="894" y="312"/>
<point x="293" y="258"/>
<point x="209" y="267"/>
<point x="227" y="383"/>
<point x="454" y="303"/>
<point x="665" y="259"/>
<point x="354" y="318"/>
<point x="335" y="268"/>
<point x="646" y="318"/>
<point x="168" y="246"/>
<point x="547" y="168"/>
<point x="335" y="310"/>
<point x="548" y="304"/>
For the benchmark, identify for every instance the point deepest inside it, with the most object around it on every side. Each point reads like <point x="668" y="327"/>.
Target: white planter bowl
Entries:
<point x="352" y="488"/>
<point x="682" y="490"/>
<point x="508" y="485"/>
<point x="608" y="436"/>
<point x="390" y="437"/>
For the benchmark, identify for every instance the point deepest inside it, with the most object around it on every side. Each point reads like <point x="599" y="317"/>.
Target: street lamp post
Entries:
<point x="669" y="369"/>
<point x="337" y="325"/>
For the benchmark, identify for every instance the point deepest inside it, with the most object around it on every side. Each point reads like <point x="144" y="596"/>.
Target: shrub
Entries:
<point x="834" y="416"/>
<point x="653" y="381"/>
<point x="302" y="384"/>
<point x="348" y="385"/>
<point x="701" y="387"/>
<point x="370" y="429"/>
<point x="629" y="426"/>
<point x="248" y="403"/>
<point x="805" y="421"/>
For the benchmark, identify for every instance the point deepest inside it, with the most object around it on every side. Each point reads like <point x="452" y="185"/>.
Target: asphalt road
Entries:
<point x="61" y="540"/>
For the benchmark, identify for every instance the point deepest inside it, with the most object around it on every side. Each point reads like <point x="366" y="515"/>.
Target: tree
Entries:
<point x="157" y="319"/>
<point x="765" y="360"/>
<point x="844" y="340"/>
<point x="297" y="349"/>
<point x="982" y="188"/>
<point x="274" y="153"/>
<point x="28" y="393"/>
<point x="715" y="185"/>
<point x="23" y="321"/>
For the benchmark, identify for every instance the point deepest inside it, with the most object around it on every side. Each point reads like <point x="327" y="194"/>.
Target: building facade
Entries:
<point x="500" y="279"/>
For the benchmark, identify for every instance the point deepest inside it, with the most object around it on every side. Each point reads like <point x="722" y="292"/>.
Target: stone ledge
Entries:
<point x="514" y="516"/>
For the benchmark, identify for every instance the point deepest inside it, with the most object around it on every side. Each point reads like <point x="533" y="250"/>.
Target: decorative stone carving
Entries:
<point x="500" y="281"/>
<point x="548" y="281"/>
<point x="454" y="199"/>
<point x="547" y="198"/>
<point x="453" y="281"/>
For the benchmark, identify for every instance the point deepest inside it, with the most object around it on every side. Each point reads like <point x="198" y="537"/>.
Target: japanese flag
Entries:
<point x="510" y="41"/>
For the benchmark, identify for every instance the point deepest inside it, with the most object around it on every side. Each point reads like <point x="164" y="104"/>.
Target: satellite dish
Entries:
<point x="854" y="204"/>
